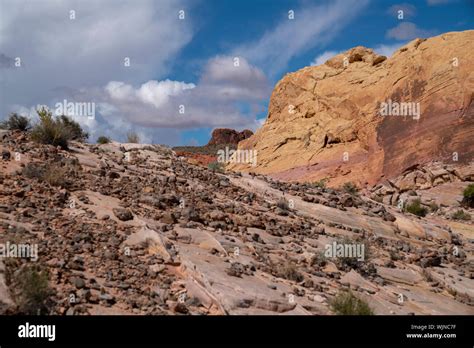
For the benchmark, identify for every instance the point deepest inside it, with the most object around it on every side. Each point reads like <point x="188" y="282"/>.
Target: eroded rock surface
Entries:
<point x="134" y="229"/>
<point x="327" y="122"/>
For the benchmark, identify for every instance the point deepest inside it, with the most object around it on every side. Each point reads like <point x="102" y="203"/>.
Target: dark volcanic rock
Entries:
<point x="123" y="214"/>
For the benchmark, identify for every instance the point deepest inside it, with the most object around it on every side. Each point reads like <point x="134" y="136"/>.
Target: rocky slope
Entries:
<point x="328" y="121"/>
<point x="134" y="229"/>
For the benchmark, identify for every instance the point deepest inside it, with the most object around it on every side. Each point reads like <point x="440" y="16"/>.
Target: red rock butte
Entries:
<point x="228" y="136"/>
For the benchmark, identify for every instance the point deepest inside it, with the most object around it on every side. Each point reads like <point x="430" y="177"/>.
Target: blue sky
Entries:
<point x="189" y="62"/>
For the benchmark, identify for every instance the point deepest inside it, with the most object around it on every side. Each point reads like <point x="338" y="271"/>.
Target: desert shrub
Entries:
<point x="319" y="259"/>
<point x="75" y="130"/>
<point x="468" y="196"/>
<point x="50" y="130"/>
<point x="283" y="204"/>
<point x="461" y="215"/>
<point x="416" y="208"/>
<point x="16" y="122"/>
<point x="427" y="275"/>
<point x="216" y="167"/>
<point x="287" y="270"/>
<point x="378" y="198"/>
<point x="103" y="140"/>
<point x="346" y="262"/>
<point x="33" y="171"/>
<point x="345" y="303"/>
<point x="350" y="188"/>
<point x="320" y="184"/>
<point x="434" y="207"/>
<point x="133" y="138"/>
<point x="55" y="175"/>
<point x="52" y="174"/>
<point x="33" y="290"/>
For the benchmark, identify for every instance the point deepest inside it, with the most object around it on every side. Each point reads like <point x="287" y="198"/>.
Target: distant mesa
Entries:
<point x="222" y="136"/>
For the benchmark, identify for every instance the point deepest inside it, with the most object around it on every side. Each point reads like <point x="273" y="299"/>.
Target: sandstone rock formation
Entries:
<point x="228" y="136"/>
<point x="435" y="182"/>
<point x="134" y="229"/>
<point x="328" y="121"/>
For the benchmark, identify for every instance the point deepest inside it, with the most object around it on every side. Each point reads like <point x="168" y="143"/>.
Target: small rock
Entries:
<point x="181" y="308"/>
<point x="123" y="214"/>
<point x="79" y="283"/>
<point x="6" y="155"/>
<point x="236" y="270"/>
<point x="168" y="218"/>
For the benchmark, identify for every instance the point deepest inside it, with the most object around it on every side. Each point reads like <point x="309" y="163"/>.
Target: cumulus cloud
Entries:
<point x="156" y="93"/>
<point x="408" y="31"/>
<point x="62" y="57"/>
<point x="83" y="60"/>
<point x="213" y="101"/>
<point x="311" y="27"/>
<point x="234" y="78"/>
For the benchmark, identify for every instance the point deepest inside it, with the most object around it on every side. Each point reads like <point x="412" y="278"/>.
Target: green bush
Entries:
<point x="461" y="215"/>
<point x="16" y="122"/>
<point x="103" y="140"/>
<point x="74" y="128"/>
<point x="345" y="303"/>
<point x="56" y="131"/>
<point x="50" y="131"/>
<point x="33" y="290"/>
<point x="350" y="188"/>
<point x="416" y="208"/>
<point x="320" y="184"/>
<point x="216" y="167"/>
<point x="468" y="196"/>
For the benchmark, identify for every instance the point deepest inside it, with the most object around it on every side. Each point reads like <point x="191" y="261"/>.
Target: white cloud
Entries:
<point x="312" y="27"/>
<point x="83" y="60"/>
<point x="388" y="50"/>
<point x="61" y="56"/>
<point x="225" y="78"/>
<point x="232" y="69"/>
<point x="323" y="57"/>
<point x="210" y="102"/>
<point x="408" y="31"/>
<point x="156" y="93"/>
<point x="119" y="90"/>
